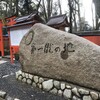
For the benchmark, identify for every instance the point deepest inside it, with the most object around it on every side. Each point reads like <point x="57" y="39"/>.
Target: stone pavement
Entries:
<point x="19" y="90"/>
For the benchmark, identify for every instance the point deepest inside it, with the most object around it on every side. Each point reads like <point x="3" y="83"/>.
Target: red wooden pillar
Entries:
<point x="1" y="39"/>
<point x="11" y="54"/>
<point x="11" y="49"/>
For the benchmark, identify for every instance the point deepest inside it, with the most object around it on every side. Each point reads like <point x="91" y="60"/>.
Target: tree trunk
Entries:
<point x="38" y="6"/>
<point x="75" y="25"/>
<point x="92" y="14"/>
<point x="48" y="8"/>
<point x="74" y="18"/>
<point x="70" y="18"/>
<point x="27" y="6"/>
<point x="79" y="16"/>
<point x="97" y="25"/>
<point x="44" y="9"/>
<point x="6" y="8"/>
<point x="59" y="4"/>
<point x="11" y="10"/>
<point x="16" y="7"/>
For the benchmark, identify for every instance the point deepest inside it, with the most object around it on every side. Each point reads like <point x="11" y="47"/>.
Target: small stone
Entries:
<point x="47" y="85"/>
<point x="19" y="72"/>
<point x="20" y="77"/>
<point x="17" y="75"/>
<point x="2" y="94"/>
<point x="23" y="74"/>
<point x="87" y="98"/>
<point x="36" y="79"/>
<point x="94" y="95"/>
<point x="83" y="92"/>
<point x="75" y="98"/>
<point x="29" y="81"/>
<point x="57" y="84"/>
<point x="63" y="86"/>
<point x="75" y="92"/>
<point x="60" y="92"/>
<point x="24" y="80"/>
<point x="67" y="93"/>
<point x="26" y="75"/>
<point x="54" y="91"/>
<point x="30" y="76"/>
<point x="40" y="86"/>
<point x="41" y="80"/>
<point x="68" y="87"/>
<point x="34" y="84"/>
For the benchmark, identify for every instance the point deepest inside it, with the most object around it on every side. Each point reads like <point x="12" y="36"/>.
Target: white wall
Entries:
<point x="17" y="33"/>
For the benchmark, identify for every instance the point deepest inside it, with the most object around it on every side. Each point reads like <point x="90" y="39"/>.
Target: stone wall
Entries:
<point x="67" y="90"/>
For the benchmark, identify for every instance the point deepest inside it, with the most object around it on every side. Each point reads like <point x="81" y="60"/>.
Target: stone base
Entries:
<point x="67" y="90"/>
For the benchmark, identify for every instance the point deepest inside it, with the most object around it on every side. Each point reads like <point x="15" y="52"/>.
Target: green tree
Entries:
<point x="25" y="7"/>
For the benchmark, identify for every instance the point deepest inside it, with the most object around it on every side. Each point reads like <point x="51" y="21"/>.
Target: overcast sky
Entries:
<point x="86" y="11"/>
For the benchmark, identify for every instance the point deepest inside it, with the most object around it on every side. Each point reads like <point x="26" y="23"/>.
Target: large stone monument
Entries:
<point x="52" y="53"/>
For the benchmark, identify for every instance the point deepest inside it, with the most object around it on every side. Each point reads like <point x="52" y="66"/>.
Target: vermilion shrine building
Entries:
<point x="4" y="38"/>
<point x="16" y="29"/>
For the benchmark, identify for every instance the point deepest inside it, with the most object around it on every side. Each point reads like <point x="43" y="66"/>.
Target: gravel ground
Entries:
<point x="17" y="89"/>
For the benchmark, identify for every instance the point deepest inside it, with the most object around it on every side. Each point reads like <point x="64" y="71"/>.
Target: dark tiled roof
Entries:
<point x="88" y="33"/>
<point x="56" y="20"/>
<point x="20" y="19"/>
<point x="27" y="18"/>
<point x="21" y="24"/>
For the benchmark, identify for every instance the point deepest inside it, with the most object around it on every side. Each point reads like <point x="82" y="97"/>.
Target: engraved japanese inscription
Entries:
<point x="50" y="47"/>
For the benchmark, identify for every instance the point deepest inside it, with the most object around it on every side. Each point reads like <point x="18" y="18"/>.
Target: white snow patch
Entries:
<point x="2" y="61"/>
